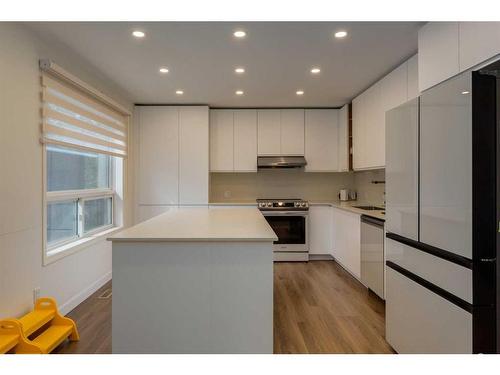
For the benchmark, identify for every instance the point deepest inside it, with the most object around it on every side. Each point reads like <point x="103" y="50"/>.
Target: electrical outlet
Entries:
<point x="227" y="194"/>
<point x="36" y="294"/>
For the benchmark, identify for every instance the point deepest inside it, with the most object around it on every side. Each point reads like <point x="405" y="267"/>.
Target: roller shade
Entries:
<point x="75" y="119"/>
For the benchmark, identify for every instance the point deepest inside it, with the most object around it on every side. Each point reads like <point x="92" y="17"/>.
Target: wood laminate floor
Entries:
<point x="93" y="319"/>
<point x="321" y="308"/>
<point x="318" y="308"/>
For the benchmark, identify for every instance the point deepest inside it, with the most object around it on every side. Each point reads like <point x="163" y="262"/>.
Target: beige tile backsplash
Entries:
<point x="244" y="187"/>
<point x="241" y="187"/>
<point x="367" y="191"/>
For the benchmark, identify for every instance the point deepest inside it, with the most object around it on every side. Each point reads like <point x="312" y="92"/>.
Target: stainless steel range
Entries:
<point x="289" y="220"/>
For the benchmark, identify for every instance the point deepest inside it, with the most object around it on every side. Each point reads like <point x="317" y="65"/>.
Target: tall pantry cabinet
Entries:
<point x="173" y="158"/>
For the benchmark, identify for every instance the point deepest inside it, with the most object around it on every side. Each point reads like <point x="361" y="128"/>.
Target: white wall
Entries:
<point x="71" y="279"/>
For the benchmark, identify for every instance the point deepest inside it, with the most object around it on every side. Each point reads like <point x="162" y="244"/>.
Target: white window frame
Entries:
<point x="61" y="249"/>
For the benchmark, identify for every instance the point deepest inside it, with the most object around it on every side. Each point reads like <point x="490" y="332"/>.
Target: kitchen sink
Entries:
<point x="370" y="208"/>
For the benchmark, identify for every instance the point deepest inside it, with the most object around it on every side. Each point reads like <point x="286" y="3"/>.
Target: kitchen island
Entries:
<point x="194" y="280"/>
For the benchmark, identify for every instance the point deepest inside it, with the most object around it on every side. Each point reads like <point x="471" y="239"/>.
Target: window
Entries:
<point x="79" y="194"/>
<point x="84" y="133"/>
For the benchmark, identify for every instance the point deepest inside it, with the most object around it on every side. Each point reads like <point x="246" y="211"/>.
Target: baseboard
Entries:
<point x="320" y="257"/>
<point x="84" y="294"/>
<point x="349" y="272"/>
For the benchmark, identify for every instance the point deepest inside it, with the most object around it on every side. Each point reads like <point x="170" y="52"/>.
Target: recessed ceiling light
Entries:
<point x="239" y="92"/>
<point x="341" y="34"/>
<point x="138" y="34"/>
<point x="239" y="34"/>
<point x="164" y="70"/>
<point x="179" y="92"/>
<point x="465" y="92"/>
<point x="239" y="70"/>
<point x="315" y="70"/>
<point x="300" y="92"/>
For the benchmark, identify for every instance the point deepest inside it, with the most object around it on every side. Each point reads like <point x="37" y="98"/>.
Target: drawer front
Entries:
<point x="449" y="276"/>
<point x="420" y="321"/>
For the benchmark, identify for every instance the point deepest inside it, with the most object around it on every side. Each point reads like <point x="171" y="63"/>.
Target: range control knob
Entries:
<point x="269" y="204"/>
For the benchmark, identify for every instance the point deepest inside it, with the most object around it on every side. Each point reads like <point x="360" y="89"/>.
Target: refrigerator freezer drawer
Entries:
<point x="449" y="276"/>
<point x="420" y="321"/>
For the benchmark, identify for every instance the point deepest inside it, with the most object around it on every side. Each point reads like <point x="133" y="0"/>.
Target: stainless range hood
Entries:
<point x="278" y="162"/>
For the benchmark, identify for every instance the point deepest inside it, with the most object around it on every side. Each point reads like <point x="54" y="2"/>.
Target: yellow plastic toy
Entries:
<point x="38" y="332"/>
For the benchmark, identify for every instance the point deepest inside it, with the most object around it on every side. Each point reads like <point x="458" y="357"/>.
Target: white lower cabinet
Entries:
<point x="347" y="240"/>
<point x="320" y="230"/>
<point x="420" y="321"/>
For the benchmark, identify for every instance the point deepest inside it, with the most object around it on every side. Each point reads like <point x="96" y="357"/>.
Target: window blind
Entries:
<point x="75" y="119"/>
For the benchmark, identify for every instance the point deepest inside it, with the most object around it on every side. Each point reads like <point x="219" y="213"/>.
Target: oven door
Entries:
<point x="290" y="228"/>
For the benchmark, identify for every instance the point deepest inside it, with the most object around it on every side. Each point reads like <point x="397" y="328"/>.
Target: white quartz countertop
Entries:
<point x="201" y="224"/>
<point x="350" y="206"/>
<point x="346" y="206"/>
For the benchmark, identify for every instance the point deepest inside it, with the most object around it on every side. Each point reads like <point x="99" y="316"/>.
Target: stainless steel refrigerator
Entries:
<point x="442" y="226"/>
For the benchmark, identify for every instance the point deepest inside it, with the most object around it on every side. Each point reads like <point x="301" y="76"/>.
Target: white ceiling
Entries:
<point x="277" y="56"/>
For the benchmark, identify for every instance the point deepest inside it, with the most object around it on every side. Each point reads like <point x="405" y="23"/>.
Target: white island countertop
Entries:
<point x="200" y="224"/>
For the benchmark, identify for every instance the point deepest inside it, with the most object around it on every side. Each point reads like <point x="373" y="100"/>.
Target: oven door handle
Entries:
<point x="284" y="213"/>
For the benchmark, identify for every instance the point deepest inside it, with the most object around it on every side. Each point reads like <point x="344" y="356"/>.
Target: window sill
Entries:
<point x="68" y="249"/>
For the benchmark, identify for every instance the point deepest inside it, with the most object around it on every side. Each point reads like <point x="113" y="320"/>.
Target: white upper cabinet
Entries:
<point x="358" y="131"/>
<point x="375" y="128"/>
<point x="221" y="140"/>
<point x="343" y="139"/>
<point x="369" y="109"/>
<point x="245" y="140"/>
<point x="193" y="155"/>
<point x="269" y="131"/>
<point x="479" y="41"/>
<point x="280" y="131"/>
<point x="158" y="173"/>
<point x="368" y="129"/>
<point x="448" y="48"/>
<point x="394" y="87"/>
<point x="438" y="53"/>
<point x="292" y="132"/>
<point x="321" y="136"/>
<point x="413" y="90"/>
<point x="173" y="155"/>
